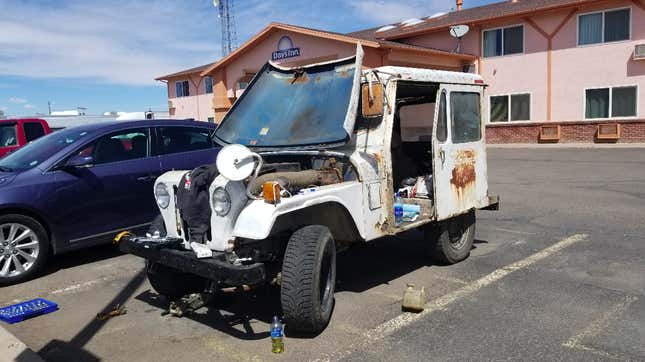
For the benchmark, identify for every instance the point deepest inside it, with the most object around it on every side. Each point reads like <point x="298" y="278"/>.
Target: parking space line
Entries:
<point x="441" y="303"/>
<point x="598" y="326"/>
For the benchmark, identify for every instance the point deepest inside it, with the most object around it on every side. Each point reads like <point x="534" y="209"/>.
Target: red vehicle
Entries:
<point x="15" y="133"/>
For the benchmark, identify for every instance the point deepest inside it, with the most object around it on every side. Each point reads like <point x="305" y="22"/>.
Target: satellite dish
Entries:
<point x="458" y="31"/>
<point x="236" y="162"/>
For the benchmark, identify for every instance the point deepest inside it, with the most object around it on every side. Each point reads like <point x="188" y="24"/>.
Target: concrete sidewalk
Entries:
<point x="12" y="349"/>
<point x="567" y="145"/>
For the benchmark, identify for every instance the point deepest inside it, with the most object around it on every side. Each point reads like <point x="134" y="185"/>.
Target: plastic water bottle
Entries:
<point x="398" y="210"/>
<point x="277" y="342"/>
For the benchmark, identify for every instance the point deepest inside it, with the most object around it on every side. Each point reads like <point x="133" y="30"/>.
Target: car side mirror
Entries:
<point x="80" y="162"/>
<point x="372" y="99"/>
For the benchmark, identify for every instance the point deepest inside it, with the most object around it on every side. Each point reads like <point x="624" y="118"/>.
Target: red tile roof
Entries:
<point x="198" y="69"/>
<point x="469" y="16"/>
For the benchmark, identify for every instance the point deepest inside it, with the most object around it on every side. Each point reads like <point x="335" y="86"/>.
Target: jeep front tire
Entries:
<point x="308" y="279"/>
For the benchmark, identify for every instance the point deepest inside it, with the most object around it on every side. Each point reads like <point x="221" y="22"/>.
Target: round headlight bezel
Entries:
<point x="221" y="201"/>
<point x="162" y="195"/>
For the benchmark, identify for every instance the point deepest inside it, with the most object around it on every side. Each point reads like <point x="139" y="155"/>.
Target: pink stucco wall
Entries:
<point x="574" y="68"/>
<point x="198" y="105"/>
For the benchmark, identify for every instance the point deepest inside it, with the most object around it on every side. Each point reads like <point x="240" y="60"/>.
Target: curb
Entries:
<point x="12" y="349"/>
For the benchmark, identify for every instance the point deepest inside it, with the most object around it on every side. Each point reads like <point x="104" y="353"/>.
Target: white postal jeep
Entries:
<point x="312" y="160"/>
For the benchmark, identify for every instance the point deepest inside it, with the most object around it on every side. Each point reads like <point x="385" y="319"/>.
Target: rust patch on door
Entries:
<point x="463" y="178"/>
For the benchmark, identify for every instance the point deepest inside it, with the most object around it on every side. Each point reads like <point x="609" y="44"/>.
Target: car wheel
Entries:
<point x="308" y="279"/>
<point x="453" y="238"/>
<point x="24" y="248"/>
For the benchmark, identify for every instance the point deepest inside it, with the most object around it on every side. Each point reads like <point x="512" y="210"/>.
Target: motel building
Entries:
<point x="558" y="71"/>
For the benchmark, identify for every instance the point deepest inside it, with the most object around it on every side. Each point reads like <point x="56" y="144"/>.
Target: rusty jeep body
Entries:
<point x="325" y="147"/>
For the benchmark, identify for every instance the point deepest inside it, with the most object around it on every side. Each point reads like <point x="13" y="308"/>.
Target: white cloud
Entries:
<point x="3" y="108"/>
<point x="17" y="100"/>
<point x="29" y="106"/>
<point x="120" y="41"/>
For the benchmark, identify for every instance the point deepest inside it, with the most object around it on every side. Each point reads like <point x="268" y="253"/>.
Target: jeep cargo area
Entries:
<point x="315" y="159"/>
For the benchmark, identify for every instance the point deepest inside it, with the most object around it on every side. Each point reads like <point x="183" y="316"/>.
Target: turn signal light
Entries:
<point x="271" y="192"/>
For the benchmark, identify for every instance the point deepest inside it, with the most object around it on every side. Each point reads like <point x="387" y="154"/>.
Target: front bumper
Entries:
<point x="217" y="268"/>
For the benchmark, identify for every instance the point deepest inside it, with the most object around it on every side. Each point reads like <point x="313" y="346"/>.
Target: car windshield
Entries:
<point x="283" y="108"/>
<point x="8" y="136"/>
<point x="36" y="152"/>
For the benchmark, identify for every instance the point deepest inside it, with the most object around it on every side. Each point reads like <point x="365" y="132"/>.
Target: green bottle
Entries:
<point x="277" y="342"/>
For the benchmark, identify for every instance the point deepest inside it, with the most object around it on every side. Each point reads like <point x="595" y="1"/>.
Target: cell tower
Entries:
<point x="227" y="20"/>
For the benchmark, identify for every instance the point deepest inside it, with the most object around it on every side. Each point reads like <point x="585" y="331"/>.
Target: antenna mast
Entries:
<point x="227" y="21"/>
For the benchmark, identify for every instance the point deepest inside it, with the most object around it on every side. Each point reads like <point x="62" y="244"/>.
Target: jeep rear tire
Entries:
<point x="454" y="238"/>
<point x="308" y="279"/>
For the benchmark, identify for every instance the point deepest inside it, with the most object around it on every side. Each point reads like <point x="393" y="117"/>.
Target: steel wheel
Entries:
<point x="19" y="249"/>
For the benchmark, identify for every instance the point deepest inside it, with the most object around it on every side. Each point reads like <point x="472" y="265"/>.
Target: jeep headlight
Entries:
<point x="221" y="201"/>
<point x="162" y="195"/>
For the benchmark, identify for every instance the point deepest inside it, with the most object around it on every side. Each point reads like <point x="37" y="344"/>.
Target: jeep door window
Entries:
<point x="184" y="139"/>
<point x="33" y="130"/>
<point x="283" y="108"/>
<point x="466" y="117"/>
<point x="442" y="119"/>
<point x="119" y="146"/>
<point x="8" y="135"/>
<point x="38" y="151"/>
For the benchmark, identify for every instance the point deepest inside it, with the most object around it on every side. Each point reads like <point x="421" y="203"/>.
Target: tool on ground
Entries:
<point x="116" y="311"/>
<point x="277" y="339"/>
<point x="414" y="300"/>
<point x="31" y="308"/>
<point x="121" y="235"/>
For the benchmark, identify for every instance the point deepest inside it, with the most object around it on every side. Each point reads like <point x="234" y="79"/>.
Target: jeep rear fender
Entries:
<point x="258" y="219"/>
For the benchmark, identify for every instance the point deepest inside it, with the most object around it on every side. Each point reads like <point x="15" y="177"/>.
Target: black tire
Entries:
<point x="308" y="279"/>
<point x="34" y="267"/>
<point x="167" y="281"/>
<point x="172" y="283"/>
<point x="454" y="238"/>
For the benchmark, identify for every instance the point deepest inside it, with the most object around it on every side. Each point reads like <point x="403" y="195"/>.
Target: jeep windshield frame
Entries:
<point x="295" y="108"/>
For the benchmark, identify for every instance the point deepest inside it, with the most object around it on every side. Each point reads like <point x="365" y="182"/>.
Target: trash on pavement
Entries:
<point x="116" y="311"/>
<point x="19" y="312"/>
<point x="414" y="300"/>
<point x="187" y="305"/>
<point x="277" y="339"/>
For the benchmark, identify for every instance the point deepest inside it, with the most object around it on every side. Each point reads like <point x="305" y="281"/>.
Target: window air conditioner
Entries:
<point x="639" y="52"/>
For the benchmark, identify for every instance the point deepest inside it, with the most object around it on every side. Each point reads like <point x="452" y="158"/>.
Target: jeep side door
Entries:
<point x="459" y="152"/>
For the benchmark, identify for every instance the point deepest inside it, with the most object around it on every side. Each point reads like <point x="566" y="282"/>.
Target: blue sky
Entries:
<point x="104" y="55"/>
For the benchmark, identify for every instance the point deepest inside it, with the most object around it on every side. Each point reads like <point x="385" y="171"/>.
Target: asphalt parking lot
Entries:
<point x="557" y="274"/>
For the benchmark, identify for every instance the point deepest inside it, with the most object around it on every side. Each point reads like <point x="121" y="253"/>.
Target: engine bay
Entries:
<point x="298" y="174"/>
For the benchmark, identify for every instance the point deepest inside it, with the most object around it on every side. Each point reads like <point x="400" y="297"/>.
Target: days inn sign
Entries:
<point x="285" y="49"/>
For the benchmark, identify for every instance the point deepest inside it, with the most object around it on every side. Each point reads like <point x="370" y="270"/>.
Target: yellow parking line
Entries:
<point x="441" y="303"/>
<point x="598" y="326"/>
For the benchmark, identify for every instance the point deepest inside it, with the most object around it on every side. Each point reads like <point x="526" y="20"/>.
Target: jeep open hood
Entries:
<point x="305" y="107"/>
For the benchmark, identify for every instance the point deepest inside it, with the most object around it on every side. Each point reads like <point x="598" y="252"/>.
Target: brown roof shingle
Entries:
<point x="469" y="16"/>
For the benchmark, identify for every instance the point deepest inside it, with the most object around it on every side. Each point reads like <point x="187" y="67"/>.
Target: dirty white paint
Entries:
<point x="441" y="303"/>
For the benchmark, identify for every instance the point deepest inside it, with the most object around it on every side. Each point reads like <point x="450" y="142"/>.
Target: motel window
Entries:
<point x="513" y="107"/>
<point x="182" y="89"/>
<point x="616" y="101"/>
<point x="604" y="27"/>
<point x="211" y="119"/>
<point x="504" y="41"/>
<point x="208" y="85"/>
